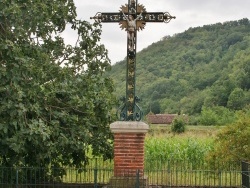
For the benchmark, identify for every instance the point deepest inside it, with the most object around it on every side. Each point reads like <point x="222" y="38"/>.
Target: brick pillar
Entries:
<point x="128" y="147"/>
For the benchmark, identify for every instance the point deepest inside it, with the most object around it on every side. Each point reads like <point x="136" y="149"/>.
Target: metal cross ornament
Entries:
<point x="132" y="17"/>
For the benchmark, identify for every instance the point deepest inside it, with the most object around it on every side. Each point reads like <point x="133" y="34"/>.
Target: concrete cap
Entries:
<point x="129" y="127"/>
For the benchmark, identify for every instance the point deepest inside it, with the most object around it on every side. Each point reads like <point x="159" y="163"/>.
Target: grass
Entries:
<point x="161" y="130"/>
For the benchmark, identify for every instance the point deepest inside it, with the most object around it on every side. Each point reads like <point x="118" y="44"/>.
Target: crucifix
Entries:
<point x="132" y="17"/>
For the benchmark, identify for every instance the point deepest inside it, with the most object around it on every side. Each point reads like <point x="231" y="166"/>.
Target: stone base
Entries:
<point x="128" y="182"/>
<point x="129" y="127"/>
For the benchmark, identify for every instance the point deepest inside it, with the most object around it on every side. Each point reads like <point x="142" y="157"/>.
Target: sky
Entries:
<point x="189" y="13"/>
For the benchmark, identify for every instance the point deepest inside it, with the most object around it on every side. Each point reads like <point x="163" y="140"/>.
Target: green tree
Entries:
<point x="54" y="103"/>
<point x="155" y="107"/>
<point x="233" y="142"/>
<point x="236" y="99"/>
<point x="208" y="116"/>
<point x="241" y="69"/>
<point x="216" y="115"/>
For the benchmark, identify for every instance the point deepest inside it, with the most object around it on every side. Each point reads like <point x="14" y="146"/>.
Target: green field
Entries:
<point x="193" y="145"/>
<point x="191" y="131"/>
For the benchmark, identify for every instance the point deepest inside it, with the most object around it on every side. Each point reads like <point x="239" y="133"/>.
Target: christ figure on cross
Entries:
<point x="131" y="29"/>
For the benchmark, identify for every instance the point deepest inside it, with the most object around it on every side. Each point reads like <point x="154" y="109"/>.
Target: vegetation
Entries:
<point x="55" y="105"/>
<point x="200" y="144"/>
<point x="193" y="146"/>
<point x="216" y="115"/>
<point x="233" y="142"/>
<point x="188" y="149"/>
<point x="178" y="125"/>
<point x="54" y="102"/>
<point x="202" y="71"/>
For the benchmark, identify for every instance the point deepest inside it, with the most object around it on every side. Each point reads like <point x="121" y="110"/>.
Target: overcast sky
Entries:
<point x="189" y="13"/>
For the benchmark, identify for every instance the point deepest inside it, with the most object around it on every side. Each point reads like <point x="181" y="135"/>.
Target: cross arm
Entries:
<point x="108" y="17"/>
<point x="157" y="17"/>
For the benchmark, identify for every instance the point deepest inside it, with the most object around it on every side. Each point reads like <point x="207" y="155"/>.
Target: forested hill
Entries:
<point x="203" y="66"/>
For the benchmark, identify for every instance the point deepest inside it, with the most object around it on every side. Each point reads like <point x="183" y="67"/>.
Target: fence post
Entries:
<point x="16" y="178"/>
<point x="245" y="174"/>
<point x="169" y="174"/>
<point x="137" y="185"/>
<point x="220" y="176"/>
<point x="95" y="174"/>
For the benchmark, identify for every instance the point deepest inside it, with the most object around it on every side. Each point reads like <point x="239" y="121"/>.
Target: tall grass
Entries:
<point x="188" y="149"/>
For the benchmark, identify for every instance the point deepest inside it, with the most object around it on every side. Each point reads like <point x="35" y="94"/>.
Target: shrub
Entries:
<point x="217" y="115"/>
<point x="178" y="125"/>
<point x="233" y="142"/>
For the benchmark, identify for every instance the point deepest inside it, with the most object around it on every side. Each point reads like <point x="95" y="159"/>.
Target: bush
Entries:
<point x="233" y="142"/>
<point x="208" y="117"/>
<point x="217" y="115"/>
<point x="178" y="125"/>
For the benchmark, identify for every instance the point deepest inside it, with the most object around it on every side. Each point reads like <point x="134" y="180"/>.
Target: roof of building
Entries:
<point x="161" y="118"/>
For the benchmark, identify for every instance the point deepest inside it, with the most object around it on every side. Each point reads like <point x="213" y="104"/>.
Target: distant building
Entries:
<point x="161" y="118"/>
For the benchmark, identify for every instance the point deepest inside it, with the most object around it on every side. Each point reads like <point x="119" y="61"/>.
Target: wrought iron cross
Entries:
<point x="132" y="17"/>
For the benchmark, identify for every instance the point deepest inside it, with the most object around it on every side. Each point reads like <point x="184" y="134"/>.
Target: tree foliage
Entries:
<point x="54" y="103"/>
<point x="233" y="142"/>
<point x="178" y="125"/>
<point x="216" y="115"/>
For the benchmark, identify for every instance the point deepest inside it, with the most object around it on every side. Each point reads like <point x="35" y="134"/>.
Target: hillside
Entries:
<point x="201" y="67"/>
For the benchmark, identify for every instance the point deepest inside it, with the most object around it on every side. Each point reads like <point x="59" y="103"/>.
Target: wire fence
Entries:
<point x="194" y="173"/>
<point x="171" y="173"/>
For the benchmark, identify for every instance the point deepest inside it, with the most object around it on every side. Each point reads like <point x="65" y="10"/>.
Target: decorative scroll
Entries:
<point x="157" y="17"/>
<point x="146" y="17"/>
